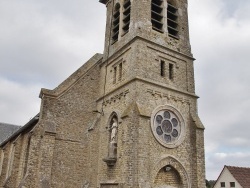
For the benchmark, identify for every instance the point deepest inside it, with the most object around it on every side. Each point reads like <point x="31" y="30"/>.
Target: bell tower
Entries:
<point x="150" y="134"/>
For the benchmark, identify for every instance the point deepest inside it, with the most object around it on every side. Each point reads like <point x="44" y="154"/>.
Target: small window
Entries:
<point x="114" y="77"/>
<point x="120" y="72"/>
<point x="116" y="23"/>
<point x="126" y="16"/>
<point x="172" y="20"/>
<point x="157" y="15"/>
<point x="232" y="184"/>
<point x="222" y="184"/>
<point x="162" y="68"/>
<point x="171" y="71"/>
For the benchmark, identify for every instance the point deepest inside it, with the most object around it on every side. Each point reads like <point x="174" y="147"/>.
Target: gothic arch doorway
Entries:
<point x="168" y="177"/>
<point x="170" y="173"/>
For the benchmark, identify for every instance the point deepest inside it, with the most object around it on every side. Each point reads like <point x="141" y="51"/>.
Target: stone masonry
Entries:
<point x="126" y="119"/>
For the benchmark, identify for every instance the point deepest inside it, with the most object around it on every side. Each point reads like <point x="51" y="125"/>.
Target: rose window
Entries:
<point x="166" y="127"/>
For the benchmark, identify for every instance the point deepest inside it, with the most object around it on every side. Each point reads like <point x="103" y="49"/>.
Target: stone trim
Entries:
<point x="164" y="86"/>
<point x="182" y="122"/>
<point x="168" y="96"/>
<point x="113" y="99"/>
<point x="195" y="118"/>
<point x="150" y="42"/>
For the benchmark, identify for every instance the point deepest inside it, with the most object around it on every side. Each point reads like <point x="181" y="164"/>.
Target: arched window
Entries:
<point x="126" y="16"/>
<point x="116" y="23"/>
<point x="157" y="15"/>
<point x="172" y="20"/>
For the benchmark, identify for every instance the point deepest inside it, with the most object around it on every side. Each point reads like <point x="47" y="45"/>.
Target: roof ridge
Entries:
<point x="237" y="166"/>
<point x="8" y="124"/>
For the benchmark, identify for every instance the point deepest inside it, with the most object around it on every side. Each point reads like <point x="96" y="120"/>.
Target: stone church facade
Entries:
<point x="126" y="119"/>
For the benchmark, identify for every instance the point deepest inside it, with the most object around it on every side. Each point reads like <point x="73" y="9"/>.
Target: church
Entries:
<point x="126" y="119"/>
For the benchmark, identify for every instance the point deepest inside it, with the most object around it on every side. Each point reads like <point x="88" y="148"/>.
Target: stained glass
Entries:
<point x="166" y="115"/>
<point x="175" y="133"/>
<point x="159" y="119"/>
<point x="159" y="130"/>
<point x="175" y="122"/>
<point x="167" y="126"/>
<point x="167" y="138"/>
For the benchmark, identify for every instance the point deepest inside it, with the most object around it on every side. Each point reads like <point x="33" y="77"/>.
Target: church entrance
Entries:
<point x="168" y="177"/>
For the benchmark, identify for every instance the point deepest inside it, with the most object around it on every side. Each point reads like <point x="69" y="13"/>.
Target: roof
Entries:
<point x="6" y="130"/>
<point x="241" y="174"/>
<point x="28" y="125"/>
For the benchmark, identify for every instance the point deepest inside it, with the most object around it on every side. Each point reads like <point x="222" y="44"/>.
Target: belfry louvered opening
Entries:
<point x="157" y="15"/>
<point x="172" y="18"/>
<point x="126" y="16"/>
<point x="116" y="23"/>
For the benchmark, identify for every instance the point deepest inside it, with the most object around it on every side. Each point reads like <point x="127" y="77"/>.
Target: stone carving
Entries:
<point x="168" y="96"/>
<point x="116" y="97"/>
<point x="114" y="130"/>
<point x="112" y="150"/>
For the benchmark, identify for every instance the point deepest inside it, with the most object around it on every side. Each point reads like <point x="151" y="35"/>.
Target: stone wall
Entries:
<point x="70" y="145"/>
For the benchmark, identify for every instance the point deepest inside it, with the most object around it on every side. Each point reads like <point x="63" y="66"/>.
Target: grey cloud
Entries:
<point x="18" y="103"/>
<point x="221" y="159"/>
<point x="220" y="42"/>
<point x="46" y="41"/>
<point x="43" y="42"/>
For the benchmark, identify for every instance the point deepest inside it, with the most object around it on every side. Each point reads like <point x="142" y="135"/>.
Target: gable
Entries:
<point x="242" y="175"/>
<point x="226" y="177"/>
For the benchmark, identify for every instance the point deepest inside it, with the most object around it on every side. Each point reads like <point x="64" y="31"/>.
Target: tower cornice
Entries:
<point x="103" y="1"/>
<point x="113" y="56"/>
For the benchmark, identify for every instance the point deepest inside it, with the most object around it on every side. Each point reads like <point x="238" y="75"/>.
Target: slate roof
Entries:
<point x="21" y="129"/>
<point x="241" y="174"/>
<point x="6" y="130"/>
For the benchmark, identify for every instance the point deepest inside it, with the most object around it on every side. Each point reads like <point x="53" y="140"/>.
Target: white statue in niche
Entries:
<point x="112" y="149"/>
<point x="114" y="130"/>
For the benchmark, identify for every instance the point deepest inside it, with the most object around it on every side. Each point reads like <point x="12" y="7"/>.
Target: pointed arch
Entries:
<point x="112" y="115"/>
<point x="168" y="175"/>
<point x="176" y="171"/>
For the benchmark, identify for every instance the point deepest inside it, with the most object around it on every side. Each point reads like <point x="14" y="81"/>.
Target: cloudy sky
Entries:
<point x="43" y="42"/>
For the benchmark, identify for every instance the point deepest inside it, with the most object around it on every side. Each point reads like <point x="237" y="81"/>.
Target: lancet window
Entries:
<point x="116" y="23"/>
<point x="164" y="17"/>
<point x="126" y="16"/>
<point x="157" y="15"/>
<point x="172" y="20"/>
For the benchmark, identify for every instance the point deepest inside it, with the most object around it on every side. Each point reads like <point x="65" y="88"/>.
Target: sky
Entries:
<point x="43" y="42"/>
